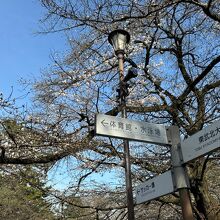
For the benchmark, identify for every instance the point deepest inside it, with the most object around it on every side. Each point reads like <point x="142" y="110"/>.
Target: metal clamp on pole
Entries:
<point x="180" y="177"/>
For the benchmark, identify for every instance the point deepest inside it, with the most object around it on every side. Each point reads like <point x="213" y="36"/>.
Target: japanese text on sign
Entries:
<point x="202" y="142"/>
<point x="146" y="189"/>
<point x="153" y="188"/>
<point x="134" y="130"/>
<point x="128" y="127"/>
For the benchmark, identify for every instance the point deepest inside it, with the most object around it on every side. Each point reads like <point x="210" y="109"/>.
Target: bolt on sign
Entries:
<point x="201" y="143"/>
<point x="128" y="129"/>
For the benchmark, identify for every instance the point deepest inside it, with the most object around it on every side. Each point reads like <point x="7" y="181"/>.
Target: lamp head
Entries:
<point x="119" y="40"/>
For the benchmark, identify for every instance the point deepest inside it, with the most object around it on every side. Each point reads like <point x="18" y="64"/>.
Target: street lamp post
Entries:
<point x="119" y="39"/>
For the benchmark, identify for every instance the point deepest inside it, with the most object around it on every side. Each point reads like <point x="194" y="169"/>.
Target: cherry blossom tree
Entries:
<point x="176" y="49"/>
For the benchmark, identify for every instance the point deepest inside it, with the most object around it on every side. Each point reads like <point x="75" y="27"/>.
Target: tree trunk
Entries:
<point x="204" y="202"/>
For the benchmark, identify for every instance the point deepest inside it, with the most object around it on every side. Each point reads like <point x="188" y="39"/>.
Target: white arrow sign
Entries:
<point x="158" y="186"/>
<point x="201" y="143"/>
<point x="128" y="129"/>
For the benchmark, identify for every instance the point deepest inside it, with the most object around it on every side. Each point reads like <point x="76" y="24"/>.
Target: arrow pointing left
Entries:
<point x="104" y="123"/>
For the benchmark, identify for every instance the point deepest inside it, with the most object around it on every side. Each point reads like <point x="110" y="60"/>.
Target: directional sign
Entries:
<point x="158" y="186"/>
<point x="128" y="129"/>
<point x="201" y="143"/>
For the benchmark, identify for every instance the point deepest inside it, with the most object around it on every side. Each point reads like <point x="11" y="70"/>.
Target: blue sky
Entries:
<point x="23" y="53"/>
<point x="64" y="173"/>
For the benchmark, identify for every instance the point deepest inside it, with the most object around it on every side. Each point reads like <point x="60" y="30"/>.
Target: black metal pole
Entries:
<point x="130" y="203"/>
